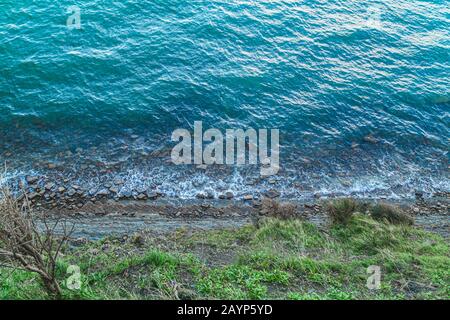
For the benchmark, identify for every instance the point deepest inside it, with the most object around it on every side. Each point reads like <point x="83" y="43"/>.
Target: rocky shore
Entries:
<point x="62" y="196"/>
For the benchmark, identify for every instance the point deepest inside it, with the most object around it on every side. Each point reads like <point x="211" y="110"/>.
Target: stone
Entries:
<point x="141" y="189"/>
<point x="118" y="181"/>
<point x="272" y="194"/>
<point x="142" y="196"/>
<point x="103" y="192"/>
<point x="256" y="203"/>
<point x="31" y="179"/>
<point x="114" y="189"/>
<point x="126" y="194"/>
<point x="152" y="195"/>
<point x="61" y="189"/>
<point x="32" y="195"/>
<point x="248" y="197"/>
<point x="71" y="193"/>
<point x="306" y="160"/>
<point x="51" y="165"/>
<point x="201" y="195"/>
<point x="49" y="186"/>
<point x="346" y="183"/>
<point x="229" y="195"/>
<point x="370" y="139"/>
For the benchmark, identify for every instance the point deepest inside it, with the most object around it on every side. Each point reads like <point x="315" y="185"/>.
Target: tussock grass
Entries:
<point x="341" y="211"/>
<point x="390" y="213"/>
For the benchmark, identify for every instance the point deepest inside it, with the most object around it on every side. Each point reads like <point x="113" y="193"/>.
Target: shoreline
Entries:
<point x="65" y="195"/>
<point x="124" y="218"/>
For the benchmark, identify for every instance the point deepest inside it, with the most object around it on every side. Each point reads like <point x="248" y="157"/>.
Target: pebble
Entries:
<point x="370" y="139"/>
<point x="114" y="189"/>
<point x="49" y="186"/>
<point x="142" y="196"/>
<point x="152" y="195"/>
<point x="306" y="161"/>
<point x="272" y="194"/>
<point x="248" y="197"/>
<point x="32" y="195"/>
<point x="118" y="182"/>
<point x="126" y="194"/>
<point x="141" y="190"/>
<point x="103" y="192"/>
<point x="31" y="179"/>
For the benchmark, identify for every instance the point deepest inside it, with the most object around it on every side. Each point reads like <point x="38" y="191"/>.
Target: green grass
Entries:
<point x="281" y="259"/>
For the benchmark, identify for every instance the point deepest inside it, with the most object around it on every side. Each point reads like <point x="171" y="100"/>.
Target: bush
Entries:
<point x="390" y="213"/>
<point x="23" y="245"/>
<point x="341" y="211"/>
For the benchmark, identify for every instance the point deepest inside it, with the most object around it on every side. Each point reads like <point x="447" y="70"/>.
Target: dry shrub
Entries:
<point x="272" y="208"/>
<point x="341" y="211"/>
<point x="390" y="213"/>
<point x="23" y="245"/>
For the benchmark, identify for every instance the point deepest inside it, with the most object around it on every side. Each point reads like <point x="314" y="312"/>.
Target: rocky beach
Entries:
<point x="224" y="150"/>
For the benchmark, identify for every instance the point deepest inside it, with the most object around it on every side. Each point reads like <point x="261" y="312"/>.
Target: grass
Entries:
<point x="341" y="211"/>
<point x="279" y="259"/>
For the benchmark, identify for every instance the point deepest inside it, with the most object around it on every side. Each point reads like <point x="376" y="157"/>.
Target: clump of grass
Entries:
<point x="341" y="211"/>
<point x="275" y="209"/>
<point x="391" y="214"/>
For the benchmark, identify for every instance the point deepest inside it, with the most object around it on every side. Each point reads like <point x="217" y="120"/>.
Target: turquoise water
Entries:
<point x="326" y="73"/>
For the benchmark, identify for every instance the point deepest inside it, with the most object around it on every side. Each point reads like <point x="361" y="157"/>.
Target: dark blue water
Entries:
<point x="102" y="100"/>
